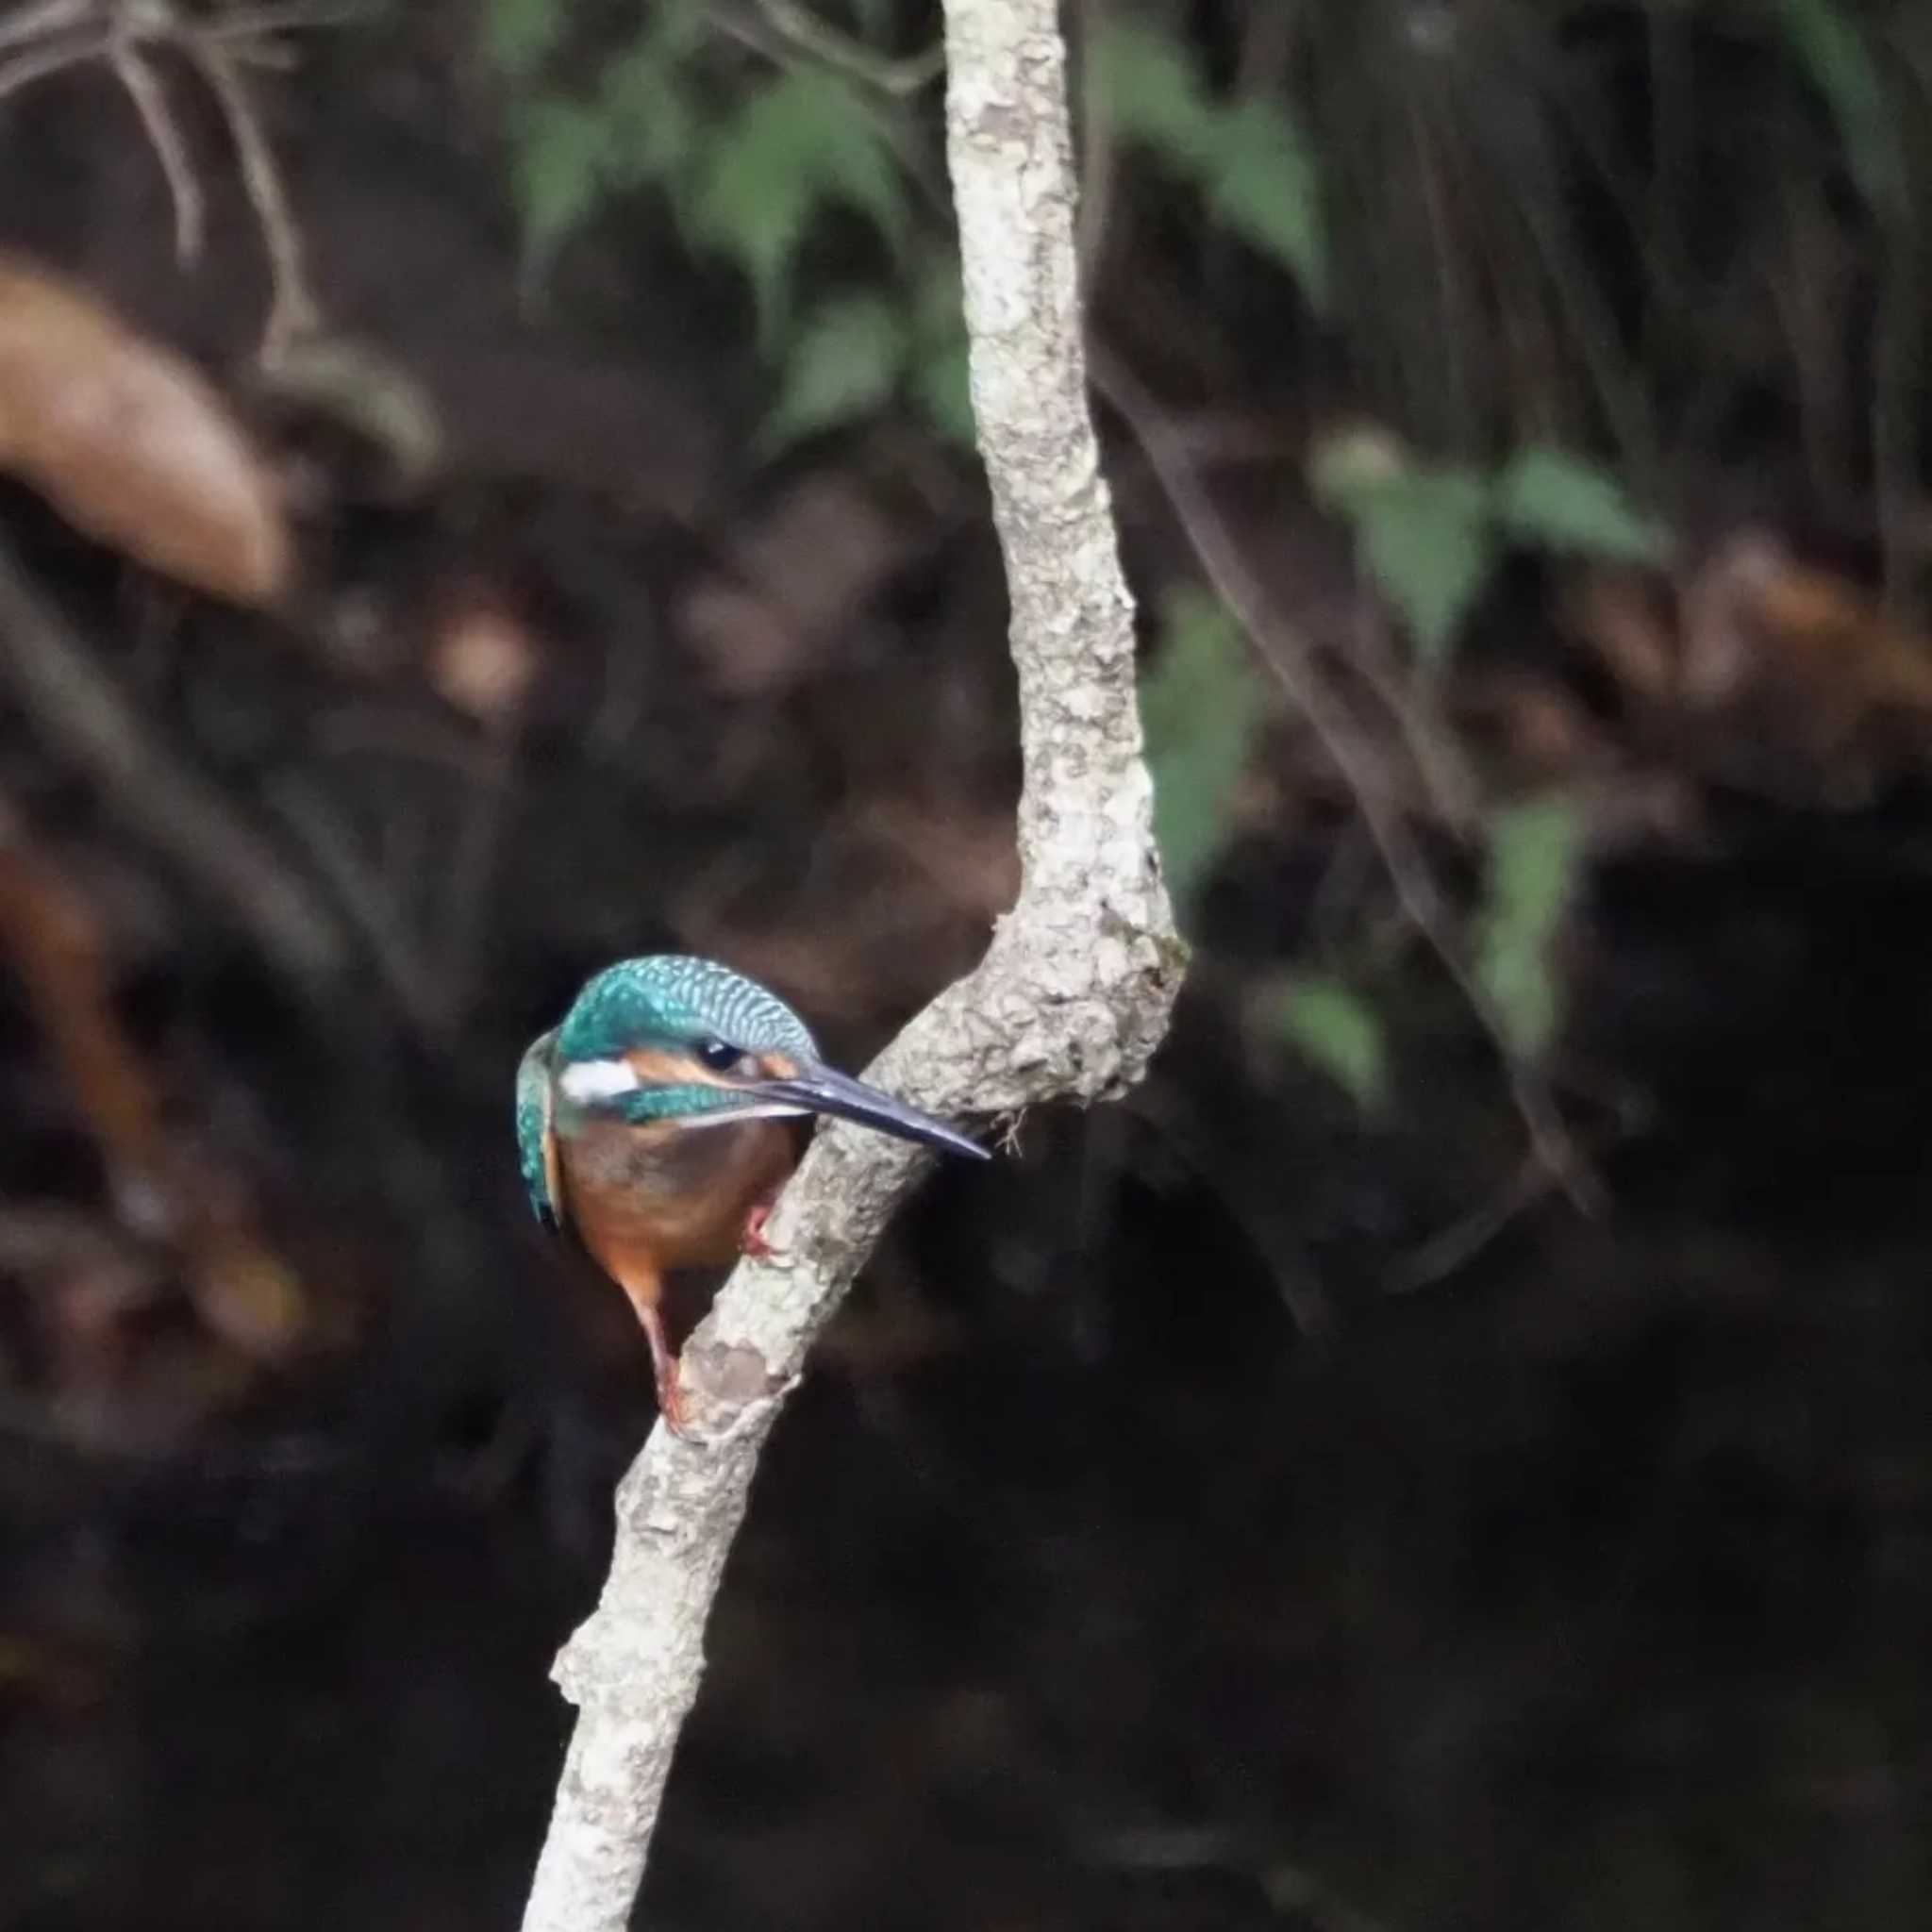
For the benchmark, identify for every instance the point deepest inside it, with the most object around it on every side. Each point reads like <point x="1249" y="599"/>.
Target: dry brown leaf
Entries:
<point x="1756" y="613"/>
<point x="1624" y="620"/>
<point x="131" y="443"/>
<point x="1766" y="669"/>
<point x="1794" y="660"/>
<point x="52" y="941"/>
<point x="165" y="1187"/>
<point x="1537" y="728"/>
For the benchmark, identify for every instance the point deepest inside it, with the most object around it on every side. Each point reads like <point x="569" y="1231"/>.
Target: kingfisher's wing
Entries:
<point x="536" y="1132"/>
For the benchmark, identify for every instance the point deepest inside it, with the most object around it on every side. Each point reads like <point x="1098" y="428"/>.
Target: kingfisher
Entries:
<point x="658" y="1122"/>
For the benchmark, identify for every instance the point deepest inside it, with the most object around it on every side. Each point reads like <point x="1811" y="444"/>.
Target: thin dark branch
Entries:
<point x="1283" y="652"/>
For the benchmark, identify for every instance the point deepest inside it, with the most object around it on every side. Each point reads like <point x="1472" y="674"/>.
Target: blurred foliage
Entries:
<point x="756" y="168"/>
<point x="1248" y="158"/>
<point x="1535" y="849"/>
<point x="845" y="364"/>
<point x="1201" y="711"/>
<point x="1432" y="534"/>
<point x="1548" y="499"/>
<point x="1832" y="48"/>
<point x="1428" y="537"/>
<point x="780" y="161"/>
<point x="1339" y="1030"/>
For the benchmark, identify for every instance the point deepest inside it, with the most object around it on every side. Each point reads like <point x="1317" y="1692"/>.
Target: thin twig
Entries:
<point x="118" y="33"/>
<point x="134" y="73"/>
<point x="907" y="76"/>
<point x="43" y="22"/>
<point x="331" y="847"/>
<point x="1455" y="1246"/>
<point x="248" y="23"/>
<point x="24" y="69"/>
<point x="1444" y="773"/>
<point x="293" y="312"/>
<point x="84" y="716"/>
<point x="908" y="143"/>
<point x="1403" y="859"/>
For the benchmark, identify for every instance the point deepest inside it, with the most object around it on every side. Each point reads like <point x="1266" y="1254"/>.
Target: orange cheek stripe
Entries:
<point x="655" y="1069"/>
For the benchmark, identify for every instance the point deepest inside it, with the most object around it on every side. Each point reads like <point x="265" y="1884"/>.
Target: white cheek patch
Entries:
<point x="590" y="1080"/>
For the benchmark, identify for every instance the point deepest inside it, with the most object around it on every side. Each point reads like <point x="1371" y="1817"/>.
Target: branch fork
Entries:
<point x="46" y="37"/>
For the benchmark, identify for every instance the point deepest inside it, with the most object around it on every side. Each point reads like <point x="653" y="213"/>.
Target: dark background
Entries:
<point x="1241" y="1507"/>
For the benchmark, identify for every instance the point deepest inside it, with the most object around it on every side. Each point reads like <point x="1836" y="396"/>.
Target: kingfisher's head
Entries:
<point x="674" y="1038"/>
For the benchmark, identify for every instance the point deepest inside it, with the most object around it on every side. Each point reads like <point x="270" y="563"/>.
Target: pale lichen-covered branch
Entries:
<point x="1071" y="1000"/>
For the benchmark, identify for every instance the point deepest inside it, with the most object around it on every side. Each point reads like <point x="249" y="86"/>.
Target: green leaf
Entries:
<point x="1333" y="1027"/>
<point x="1251" y="161"/>
<point x="676" y="30"/>
<point x="1559" y="502"/>
<point x="561" y="148"/>
<point x="1260" y="181"/>
<point x="1145" y="83"/>
<point x="1427" y="535"/>
<point x="1200" y="710"/>
<point x="1429" y="539"/>
<point x="520" y="35"/>
<point x="651" y="117"/>
<point x="794" y="150"/>
<point x="845" y="365"/>
<point x="1535" y="862"/>
<point x="1839" y="65"/>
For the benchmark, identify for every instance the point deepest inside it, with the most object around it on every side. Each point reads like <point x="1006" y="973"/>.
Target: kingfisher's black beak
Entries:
<point x="819" y="1090"/>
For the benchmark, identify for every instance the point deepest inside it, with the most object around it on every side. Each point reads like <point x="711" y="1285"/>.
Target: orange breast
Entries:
<point x="646" y="1200"/>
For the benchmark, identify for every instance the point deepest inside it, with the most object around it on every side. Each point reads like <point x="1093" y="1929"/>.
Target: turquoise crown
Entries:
<point x="674" y="999"/>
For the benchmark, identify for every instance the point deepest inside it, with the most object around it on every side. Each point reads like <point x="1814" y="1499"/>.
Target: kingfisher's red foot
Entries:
<point x="664" y="1373"/>
<point x="670" y="1403"/>
<point x="751" y="1241"/>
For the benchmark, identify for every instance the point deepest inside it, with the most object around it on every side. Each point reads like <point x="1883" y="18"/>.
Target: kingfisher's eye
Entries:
<point x="720" y="1055"/>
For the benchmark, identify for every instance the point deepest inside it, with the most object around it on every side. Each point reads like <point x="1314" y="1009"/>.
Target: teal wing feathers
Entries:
<point x="536" y="1131"/>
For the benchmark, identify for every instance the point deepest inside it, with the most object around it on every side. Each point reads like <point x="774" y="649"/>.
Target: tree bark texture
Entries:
<point x="1070" y="1002"/>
